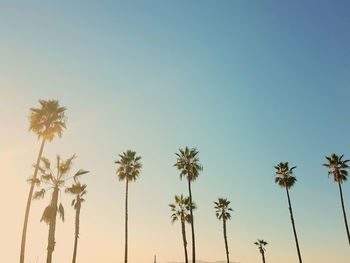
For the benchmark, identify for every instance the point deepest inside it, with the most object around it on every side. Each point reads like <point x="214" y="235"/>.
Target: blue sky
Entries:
<point x="249" y="83"/>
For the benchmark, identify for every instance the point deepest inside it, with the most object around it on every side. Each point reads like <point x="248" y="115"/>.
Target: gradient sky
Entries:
<point x="249" y="83"/>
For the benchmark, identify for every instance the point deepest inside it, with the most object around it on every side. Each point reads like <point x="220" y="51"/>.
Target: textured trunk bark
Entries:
<point x="29" y="201"/>
<point x="294" y="230"/>
<point x="344" y="212"/>
<point x="126" y="222"/>
<point x="225" y="238"/>
<point x="192" y="225"/>
<point x="184" y="238"/>
<point x="77" y="224"/>
<point x="52" y="226"/>
<point x="263" y="256"/>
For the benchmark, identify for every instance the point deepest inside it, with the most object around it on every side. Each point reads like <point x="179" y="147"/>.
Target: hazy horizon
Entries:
<point x="248" y="83"/>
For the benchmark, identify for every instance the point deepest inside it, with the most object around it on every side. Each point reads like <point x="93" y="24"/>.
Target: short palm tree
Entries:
<point x="181" y="212"/>
<point x="337" y="167"/>
<point x="189" y="166"/>
<point x="129" y="170"/>
<point x="285" y="179"/>
<point x="47" y="122"/>
<point x="223" y="210"/>
<point x="79" y="191"/>
<point x="54" y="183"/>
<point x="261" y="245"/>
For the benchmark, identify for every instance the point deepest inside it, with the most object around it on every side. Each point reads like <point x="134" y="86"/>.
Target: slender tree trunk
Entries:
<point x="344" y="212"/>
<point x="29" y="201"/>
<point x="263" y="256"/>
<point x="126" y="221"/>
<point x="225" y="238"/>
<point x="77" y="223"/>
<point x="192" y="224"/>
<point x="184" y="238"/>
<point x="52" y="226"/>
<point x="294" y="230"/>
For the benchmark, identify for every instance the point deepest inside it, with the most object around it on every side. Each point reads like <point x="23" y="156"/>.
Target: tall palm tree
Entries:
<point x="189" y="166"/>
<point x="129" y="170"/>
<point x="54" y="182"/>
<point x="223" y="210"/>
<point x="47" y="122"/>
<point x="181" y="212"/>
<point x="285" y="179"/>
<point x="79" y="191"/>
<point x="337" y="167"/>
<point x="261" y="243"/>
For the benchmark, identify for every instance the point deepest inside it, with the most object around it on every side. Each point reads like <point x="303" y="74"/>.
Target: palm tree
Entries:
<point x="47" y="122"/>
<point x="285" y="179"/>
<point x="223" y="213"/>
<point x="337" y="166"/>
<point x="181" y="211"/>
<point x="79" y="190"/>
<point x="261" y="243"/>
<point x="129" y="170"/>
<point x="54" y="183"/>
<point x="189" y="166"/>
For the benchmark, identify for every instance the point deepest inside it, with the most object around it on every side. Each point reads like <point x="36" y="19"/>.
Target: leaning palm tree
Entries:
<point x="189" y="166"/>
<point x="285" y="179"/>
<point x="223" y="213"/>
<point x="337" y="167"/>
<point x="78" y="190"/>
<point x="261" y="243"/>
<point x="181" y="212"/>
<point x="129" y="170"/>
<point x="47" y="122"/>
<point x="54" y="182"/>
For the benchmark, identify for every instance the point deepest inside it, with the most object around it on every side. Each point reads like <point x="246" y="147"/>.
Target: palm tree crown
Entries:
<point x="337" y="166"/>
<point x="129" y="166"/>
<point x="47" y="120"/>
<point x="79" y="190"/>
<point x="55" y="180"/>
<point x="223" y="209"/>
<point x="284" y="175"/>
<point x="188" y="163"/>
<point x="181" y="209"/>
<point x="261" y="245"/>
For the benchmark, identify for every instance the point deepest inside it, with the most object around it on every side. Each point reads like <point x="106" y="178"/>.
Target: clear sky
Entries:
<point x="249" y="83"/>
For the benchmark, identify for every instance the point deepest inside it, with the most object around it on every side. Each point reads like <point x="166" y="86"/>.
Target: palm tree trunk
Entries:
<point x="294" y="230"/>
<point x="263" y="256"/>
<point x="225" y="238"/>
<point x="126" y="222"/>
<point x="344" y="212"/>
<point x="76" y="236"/>
<point x="52" y="226"/>
<point x="192" y="224"/>
<point x="29" y="201"/>
<point x="184" y="238"/>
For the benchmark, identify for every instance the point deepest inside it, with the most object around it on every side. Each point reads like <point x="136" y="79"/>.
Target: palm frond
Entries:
<point x="61" y="211"/>
<point x="39" y="194"/>
<point x="79" y="173"/>
<point x="47" y="215"/>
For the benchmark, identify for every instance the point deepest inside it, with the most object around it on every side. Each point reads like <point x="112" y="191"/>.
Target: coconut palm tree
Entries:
<point x="54" y="182"/>
<point x="337" y="167"/>
<point x="181" y="212"/>
<point x="47" y="122"/>
<point x="223" y="210"/>
<point x="129" y="170"/>
<point x="79" y="191"/>
<point x="261" y="245"/>
<point x="189" y="166"/>
<point x="285" y="179"/>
